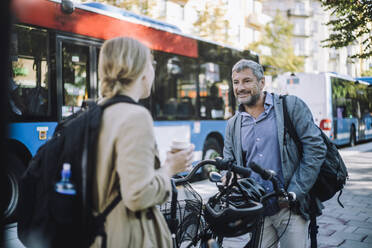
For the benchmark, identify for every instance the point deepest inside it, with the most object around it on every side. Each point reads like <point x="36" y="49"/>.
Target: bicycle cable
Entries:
<point x="281" y="235"/>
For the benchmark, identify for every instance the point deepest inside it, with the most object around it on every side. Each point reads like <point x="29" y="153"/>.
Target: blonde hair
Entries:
<point x="122" y="60"/>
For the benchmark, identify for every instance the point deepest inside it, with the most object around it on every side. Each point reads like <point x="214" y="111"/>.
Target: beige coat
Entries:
<point x="127" y="146"/>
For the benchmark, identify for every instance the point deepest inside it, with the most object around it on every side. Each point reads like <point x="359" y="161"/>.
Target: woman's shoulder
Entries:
<point x="127" y="113"/>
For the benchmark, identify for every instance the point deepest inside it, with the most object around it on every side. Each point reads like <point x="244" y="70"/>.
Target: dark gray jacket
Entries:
<point x="299" y="175"/>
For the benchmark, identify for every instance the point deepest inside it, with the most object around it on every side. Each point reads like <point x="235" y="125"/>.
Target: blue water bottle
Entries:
<point x="64" y="203"/>
<point x="65" y="186"/>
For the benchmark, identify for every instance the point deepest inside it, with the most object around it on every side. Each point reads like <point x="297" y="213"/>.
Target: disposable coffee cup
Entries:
<point x="179" y="145"/>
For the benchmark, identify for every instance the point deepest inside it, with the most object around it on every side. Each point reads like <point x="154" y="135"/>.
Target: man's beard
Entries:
<point x="252" y="100"/>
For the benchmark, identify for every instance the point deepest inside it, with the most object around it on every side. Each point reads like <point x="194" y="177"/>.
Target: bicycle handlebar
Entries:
<point x="269" y="175"/>
<point x="277" y="184"/>
<point x="221" y="164"/>
<point x="226" y="164"/>
<point x="265" y="174"/>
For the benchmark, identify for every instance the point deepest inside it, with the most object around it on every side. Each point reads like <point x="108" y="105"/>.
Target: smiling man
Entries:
<point x="256" y="134"/>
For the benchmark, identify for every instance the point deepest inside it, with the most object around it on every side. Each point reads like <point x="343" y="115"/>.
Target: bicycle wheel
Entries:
<point x="188" y="221"/>
<point x="191" y="235"/>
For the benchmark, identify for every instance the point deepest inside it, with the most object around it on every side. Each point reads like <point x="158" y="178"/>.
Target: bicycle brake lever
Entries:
<point x="220" y="186"/>
<point x="292" y="196"/>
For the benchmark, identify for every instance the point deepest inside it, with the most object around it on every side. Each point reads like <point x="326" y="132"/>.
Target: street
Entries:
<point x="349" y="227"/>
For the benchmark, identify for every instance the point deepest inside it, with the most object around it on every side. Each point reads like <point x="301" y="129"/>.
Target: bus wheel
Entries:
<point x="352" y="136"/>
<point x="9" y="202"/>
<point x="212" y="149"/>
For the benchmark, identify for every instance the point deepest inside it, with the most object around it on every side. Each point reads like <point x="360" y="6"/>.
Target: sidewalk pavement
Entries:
<point x="350" y="227"/>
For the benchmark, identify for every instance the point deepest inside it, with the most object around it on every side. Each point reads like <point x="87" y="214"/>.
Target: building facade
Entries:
<point x="244" y="18"/>
<point x="309" y="18"/>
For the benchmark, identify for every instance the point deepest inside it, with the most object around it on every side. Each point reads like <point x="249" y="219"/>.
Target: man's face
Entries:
<point x="247" y="89"/>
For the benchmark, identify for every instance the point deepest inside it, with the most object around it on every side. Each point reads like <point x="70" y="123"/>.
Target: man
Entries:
<point x="256" y="134"/>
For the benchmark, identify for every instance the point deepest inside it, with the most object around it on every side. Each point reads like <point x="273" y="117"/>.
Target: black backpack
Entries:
<point x="49" y="219"/>
<point x="332" y="175"/>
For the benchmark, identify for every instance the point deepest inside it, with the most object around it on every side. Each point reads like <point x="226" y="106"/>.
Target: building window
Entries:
<point x="315" y="66"/>
<point x="299" y="47"/>
<point x="315" y="46"/>
<point x="315" y="26"/>
<point x="300" y="8"/>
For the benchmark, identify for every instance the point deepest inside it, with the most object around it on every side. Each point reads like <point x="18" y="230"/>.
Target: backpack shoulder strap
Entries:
<point x="313" y="231"/>
<point x="87" y="171"/>
<point x="99" y="221"/>
<point x="289" y="127"/>
<point x="102" y="216"/>
<point x="107" y="103"/>
<point x="118" y="99"/>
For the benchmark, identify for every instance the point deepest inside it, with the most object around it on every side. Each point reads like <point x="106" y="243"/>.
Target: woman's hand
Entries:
<point x="179" y="161"/>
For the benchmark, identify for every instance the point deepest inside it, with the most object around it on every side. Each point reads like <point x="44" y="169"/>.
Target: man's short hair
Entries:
<point x="249" y="64"/>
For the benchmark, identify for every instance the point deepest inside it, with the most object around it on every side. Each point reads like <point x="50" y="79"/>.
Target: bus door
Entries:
<point x="76" y="74"/>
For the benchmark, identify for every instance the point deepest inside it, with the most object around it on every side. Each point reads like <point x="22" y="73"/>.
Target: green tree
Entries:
<point x="277" y="36"/>
<point x="351" y="24"/>
<point x="211" y="22"/>
<point x="144" y="7"/>
<point x="367" y="73"/>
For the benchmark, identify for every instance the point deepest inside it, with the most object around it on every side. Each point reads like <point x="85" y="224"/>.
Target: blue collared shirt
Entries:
<point x="260" y="144"/>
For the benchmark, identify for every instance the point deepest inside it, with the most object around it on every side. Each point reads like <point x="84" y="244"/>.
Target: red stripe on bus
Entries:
<point x="48" y="14"/>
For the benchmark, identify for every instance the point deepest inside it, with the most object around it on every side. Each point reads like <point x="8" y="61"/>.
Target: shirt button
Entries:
<point x="258" y="139"/>
<point x="260" y="155"/>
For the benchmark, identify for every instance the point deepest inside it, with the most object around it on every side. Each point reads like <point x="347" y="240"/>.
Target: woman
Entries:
<point x="127" y="159"/>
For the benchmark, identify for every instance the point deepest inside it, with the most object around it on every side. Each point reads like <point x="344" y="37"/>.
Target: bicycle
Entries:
<point x="204" y="227"/>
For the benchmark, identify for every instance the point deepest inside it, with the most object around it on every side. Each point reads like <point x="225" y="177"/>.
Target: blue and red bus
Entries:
<point x="54" y="56"/>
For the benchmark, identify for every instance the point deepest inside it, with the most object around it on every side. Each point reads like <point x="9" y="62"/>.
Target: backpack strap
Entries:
<point x="313" y="231"/>
<point x="289" y="127"/>
<point x="110" y="207"/>
<point x="338" y="199"/>
<point x="118" y="99"/>
<point x="88" y="155"/>
<point x="99" y="220"/>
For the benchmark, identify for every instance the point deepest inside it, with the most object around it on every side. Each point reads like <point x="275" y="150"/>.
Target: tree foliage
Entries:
<point x="350" y="24"/>
<point x="277" y="35"/>
<point x="144" y="7"/>
<point x="367" y="73"/>
<point x="211" y="22"/>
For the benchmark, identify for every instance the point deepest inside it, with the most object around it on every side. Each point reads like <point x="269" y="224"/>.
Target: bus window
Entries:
<point x="29" y="86"/>
<point x="343" y="93"/>
<point x="362" y="98"/>
<point x="96" y="75"/>
<point x="75" y="77"/>
<point x="214" y="94"/>
<point x="175" y="88"/>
